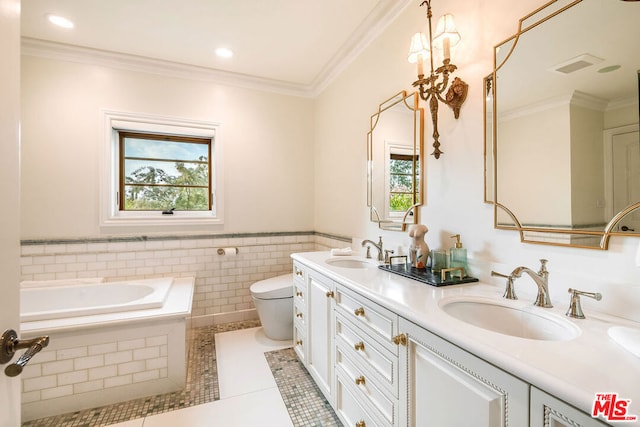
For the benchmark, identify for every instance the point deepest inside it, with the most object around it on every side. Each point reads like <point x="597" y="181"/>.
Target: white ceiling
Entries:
<point x="299" y="43"/>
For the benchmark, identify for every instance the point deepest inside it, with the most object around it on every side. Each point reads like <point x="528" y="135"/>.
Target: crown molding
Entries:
<point x="380" y="17"/>
<point x="65" y="52"/>
<point x="376" y="22"/>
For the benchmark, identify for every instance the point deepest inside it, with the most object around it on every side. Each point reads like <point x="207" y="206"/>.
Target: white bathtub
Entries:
<point x="55" y="300"/>
<point x="109" y="342"/>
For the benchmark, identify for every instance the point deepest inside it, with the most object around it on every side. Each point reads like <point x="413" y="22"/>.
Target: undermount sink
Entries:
<point x="513" y="318"/>
<point x="350" y="262"/>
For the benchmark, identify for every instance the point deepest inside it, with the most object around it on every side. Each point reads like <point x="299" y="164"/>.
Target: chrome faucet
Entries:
<point x="378" y="246"/>
<point x="542" y="280"/>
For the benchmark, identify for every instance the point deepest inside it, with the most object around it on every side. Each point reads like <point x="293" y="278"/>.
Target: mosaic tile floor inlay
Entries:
<point x="306" y="405"/>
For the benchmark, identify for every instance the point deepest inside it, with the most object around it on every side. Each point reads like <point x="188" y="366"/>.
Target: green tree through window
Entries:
<point x="161" y="172"/>
<point x="401" y="186"/>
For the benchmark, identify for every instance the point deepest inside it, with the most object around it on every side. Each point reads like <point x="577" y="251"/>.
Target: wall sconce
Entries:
<point x="435" y="84"/>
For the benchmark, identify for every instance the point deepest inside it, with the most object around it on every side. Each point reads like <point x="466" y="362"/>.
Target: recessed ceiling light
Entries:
<point x="609" y="69"/>
<point x="60" y="21"/>
<point x="223" y="52"/>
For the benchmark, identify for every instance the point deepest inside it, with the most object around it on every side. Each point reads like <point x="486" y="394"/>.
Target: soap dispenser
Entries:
<point x="458" y="255"/>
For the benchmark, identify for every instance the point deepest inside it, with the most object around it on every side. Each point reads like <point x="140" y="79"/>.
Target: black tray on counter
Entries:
<point x="425" y="275"/>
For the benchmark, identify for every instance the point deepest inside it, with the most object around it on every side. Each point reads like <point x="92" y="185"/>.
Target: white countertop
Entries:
<point x="573" y="370"/>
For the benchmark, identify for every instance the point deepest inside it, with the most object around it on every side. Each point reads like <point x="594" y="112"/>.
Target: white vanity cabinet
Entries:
<point x="446" y="386"/>
<point x="313" y="326"/>
<point x="548" y="411"/>
<point x="378" y="369"/>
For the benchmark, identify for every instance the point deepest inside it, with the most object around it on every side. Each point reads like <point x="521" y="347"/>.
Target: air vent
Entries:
<point x="575" y="64"/>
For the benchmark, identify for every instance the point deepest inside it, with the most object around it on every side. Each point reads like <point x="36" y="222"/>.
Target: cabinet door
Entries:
<point x="320" y="335"/>
<point x="547" y="411"/>
<point x="447" y="387"/>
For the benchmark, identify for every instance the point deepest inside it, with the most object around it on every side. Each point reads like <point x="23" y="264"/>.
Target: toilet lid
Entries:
<point x="275" y="287"/>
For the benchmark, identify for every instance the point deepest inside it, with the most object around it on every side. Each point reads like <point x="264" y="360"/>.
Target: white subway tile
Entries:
<point x="73" y="377"/>
<point x="70" y="353"/>
<point x="89" y="362"/>
<point x="131" y="367"/>
<point x="119" y="357"/>
<point x="117" y="381"/>
<point x="57" y="367"/>
<point x="32" y="370"/>
<point x="146" y="353"/>
<point x="54" y="249"/>
<point x="146" y="376"/>
<point x="32" y="396"/>
<point x="52" y="393"/>
<point x="111" y="347"/>
<point x="103" y="372"/>
<point x="26" y="250"/>
<point x="39" y="383"/>
<point x="88" y="386"/>
<point x="31" y="269"/>
<point x="156" y="341"/>
<point x="157" y="363"/>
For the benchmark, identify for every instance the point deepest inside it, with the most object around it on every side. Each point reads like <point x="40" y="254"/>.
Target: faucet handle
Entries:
<point x="543" y="266"/>
<point x="509" y="292"/>
<point x="575" y="309"/>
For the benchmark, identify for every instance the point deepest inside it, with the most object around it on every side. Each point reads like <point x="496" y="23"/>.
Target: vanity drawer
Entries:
<point x="351" y="410"/>
<point x="299" y="316"/>
<point x="299" y="274"/>
<point x="368" y="353"/>
<point x="367" y="387"/>
<point x="299" y="292"/>
<point x="379" y="322"/>
<point x="300" y="342"/>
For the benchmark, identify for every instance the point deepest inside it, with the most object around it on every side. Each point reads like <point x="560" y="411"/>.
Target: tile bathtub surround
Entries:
<point x="201" y="387"/>
<point x="222" y="281"/>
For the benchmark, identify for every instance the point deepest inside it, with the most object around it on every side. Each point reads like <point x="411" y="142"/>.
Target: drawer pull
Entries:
<point x="359" y="346"/>
<point x="360" y="380"/>
<point x="298" y="272"/>
<point x="299" y="342"/>
<point x="400" y="339"/>
<point x="359" y="311"/>
<point x="298" y="293"/>
<point x="329" y="294"/>
<point x="299" y="315"/>
<point x="361" y="423"/>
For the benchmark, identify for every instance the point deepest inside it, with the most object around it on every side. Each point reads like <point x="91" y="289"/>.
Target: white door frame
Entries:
<point x="609" y="134"/>
<point x="10" y="189"/>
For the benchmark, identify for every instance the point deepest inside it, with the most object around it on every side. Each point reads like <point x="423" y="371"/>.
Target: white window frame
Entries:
<point x="110" y="213"/>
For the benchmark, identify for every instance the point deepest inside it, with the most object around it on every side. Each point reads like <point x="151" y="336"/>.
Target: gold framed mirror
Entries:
<point x="395" y="162"/>
<point x="562" y="150"/>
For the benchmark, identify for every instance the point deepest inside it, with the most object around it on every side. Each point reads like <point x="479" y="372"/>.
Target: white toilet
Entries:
<point x="273" y="299"/>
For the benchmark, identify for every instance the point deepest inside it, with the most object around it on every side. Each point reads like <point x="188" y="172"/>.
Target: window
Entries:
<point x="401" y="185"/>
<point x="164" y="173"/>
<point x="155" y="165"/>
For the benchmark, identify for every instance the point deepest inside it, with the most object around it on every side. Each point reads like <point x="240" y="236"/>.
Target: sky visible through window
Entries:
<point x="161" y="173"/>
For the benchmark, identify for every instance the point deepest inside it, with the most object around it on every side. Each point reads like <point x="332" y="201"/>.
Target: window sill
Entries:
<point x="157" y="219"/>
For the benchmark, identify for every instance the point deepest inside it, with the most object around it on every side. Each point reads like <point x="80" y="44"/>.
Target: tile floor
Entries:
<point x="246" y="388"/>
<point x="248" y="392"/>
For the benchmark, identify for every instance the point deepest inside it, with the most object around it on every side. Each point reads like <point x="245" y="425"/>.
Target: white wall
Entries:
<point x="454" y="183"/>
<point x="266" y="138"/>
